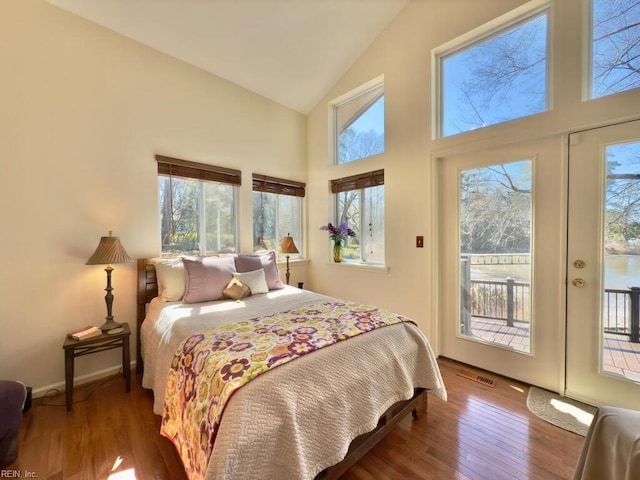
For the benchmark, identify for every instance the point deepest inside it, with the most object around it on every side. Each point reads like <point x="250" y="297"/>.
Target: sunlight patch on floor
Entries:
<point x="580" y="415"/>
<point x="129" y="474"/>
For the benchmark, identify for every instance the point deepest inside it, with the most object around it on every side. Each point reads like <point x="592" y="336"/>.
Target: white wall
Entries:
<point x="402" y="53"/>
<point x="83" y="111"/>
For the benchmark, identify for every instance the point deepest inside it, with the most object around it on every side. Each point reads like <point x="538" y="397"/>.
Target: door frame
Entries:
<point x="573" y="139"/>
<point x="552" y="169"/>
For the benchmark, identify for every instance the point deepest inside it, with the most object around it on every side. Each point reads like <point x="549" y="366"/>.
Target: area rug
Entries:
<point x="560" y="411"/>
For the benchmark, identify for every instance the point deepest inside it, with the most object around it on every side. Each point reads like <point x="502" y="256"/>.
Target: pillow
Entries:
<point x="170" y="277"/>
<point x="255" y="280"/>
<point x="267" y="261"/>
<point x="236" y="290"/>
<point x="206" y="278"/>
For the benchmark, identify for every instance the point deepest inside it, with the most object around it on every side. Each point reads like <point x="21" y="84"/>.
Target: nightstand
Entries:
<point x="77" y="348"/>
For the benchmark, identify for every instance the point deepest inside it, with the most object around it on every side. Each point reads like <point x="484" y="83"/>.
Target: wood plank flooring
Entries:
<point x="619" y="355"/>
<point x="479" y="433"/>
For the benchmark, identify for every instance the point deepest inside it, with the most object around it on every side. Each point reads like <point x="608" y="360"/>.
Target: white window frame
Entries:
<point x="202" y="232"/>
<point x="335" y="104"/>
<point x="364" y="226"/>
<point x="359" y="183"/>
<point x="492" y="28"/>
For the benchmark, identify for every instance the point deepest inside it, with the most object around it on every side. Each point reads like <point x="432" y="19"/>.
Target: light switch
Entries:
<point x="419" y="241"/>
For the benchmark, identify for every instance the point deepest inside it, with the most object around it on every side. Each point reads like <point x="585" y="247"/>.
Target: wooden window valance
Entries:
<point x="263" y="183"/>
<point x="176" y="167"/>
<point x="357" y="182"/>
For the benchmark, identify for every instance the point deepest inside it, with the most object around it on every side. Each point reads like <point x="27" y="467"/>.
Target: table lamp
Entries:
<point x="288" y="246"/>
<point x="108" y="252"/>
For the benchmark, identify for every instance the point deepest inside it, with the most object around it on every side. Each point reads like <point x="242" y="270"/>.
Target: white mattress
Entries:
<point x="299" y="418"/>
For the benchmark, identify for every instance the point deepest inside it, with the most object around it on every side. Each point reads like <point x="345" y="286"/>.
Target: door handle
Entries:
<point x="578" y="282"/>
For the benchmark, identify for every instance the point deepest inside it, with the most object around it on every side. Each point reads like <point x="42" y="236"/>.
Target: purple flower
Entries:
<point x="339" y="233"/>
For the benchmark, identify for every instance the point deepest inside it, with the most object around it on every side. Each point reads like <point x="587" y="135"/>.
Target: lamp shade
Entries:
<point x="109" y="251"/>
<point x="288" y="245"/>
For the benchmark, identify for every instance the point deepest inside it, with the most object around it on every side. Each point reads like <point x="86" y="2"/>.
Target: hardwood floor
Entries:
<point x="479" y="433"/>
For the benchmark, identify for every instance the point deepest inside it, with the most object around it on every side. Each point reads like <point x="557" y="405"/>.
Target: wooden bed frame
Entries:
<point x="148" y="289"/>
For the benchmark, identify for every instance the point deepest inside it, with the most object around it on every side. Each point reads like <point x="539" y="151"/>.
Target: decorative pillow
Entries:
<point x="267" y="261"/>
<point x="171" y="278"/>
<point x="206" y="278"/>
<point x="255" y="280"/>
<point x="236" y="290"/>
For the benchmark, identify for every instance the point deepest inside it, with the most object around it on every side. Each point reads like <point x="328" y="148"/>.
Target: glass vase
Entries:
<point x="337" y="252"/>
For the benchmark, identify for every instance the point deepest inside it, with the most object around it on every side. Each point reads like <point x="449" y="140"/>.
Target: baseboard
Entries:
<point x="77" y="381"/>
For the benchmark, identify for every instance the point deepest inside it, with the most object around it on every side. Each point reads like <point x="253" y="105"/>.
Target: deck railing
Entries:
<point x="509" y="300"/>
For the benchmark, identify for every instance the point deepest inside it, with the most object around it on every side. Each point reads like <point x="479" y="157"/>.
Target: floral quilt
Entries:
<point x="210" y="366"/>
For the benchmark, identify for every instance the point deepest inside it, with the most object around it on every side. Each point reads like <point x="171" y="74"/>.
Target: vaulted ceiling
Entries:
<point x="290" y="51"/>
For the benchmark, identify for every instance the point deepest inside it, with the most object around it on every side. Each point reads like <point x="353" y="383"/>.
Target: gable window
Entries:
<point x="197" y="207"/>
<point x="359" y="202"/>
<point x="277" y="212"/>
<point x="359" y="125"/>
<point x="615" y="46"/>
<point x="495" y="76"/>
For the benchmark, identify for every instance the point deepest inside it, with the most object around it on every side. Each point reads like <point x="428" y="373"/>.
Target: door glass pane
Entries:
<point x="495" y="254"/>
<point x="621" y="312"/>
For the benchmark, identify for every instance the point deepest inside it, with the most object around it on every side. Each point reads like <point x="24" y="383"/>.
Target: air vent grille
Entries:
<point x="476" y="378"/>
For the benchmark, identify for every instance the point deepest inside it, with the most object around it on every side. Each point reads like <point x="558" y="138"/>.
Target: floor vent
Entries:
<point x="476" y="378"/>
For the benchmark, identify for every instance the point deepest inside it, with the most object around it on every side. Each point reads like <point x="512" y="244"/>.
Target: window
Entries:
<point x="360" y="204"/>
<point x="494" y="78"/>
<point x="615" y="54"/>
<point x="277" y="212"/>
<point x="495" y="225"/>
<point x="197" y="207"/>
<point x="359" y="125"/>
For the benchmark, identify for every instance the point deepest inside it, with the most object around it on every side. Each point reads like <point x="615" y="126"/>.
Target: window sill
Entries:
<point x="297" y="261"/>
<point x="369" y="267"/>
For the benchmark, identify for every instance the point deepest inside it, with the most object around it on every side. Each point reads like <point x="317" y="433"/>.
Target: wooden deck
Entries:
<point x="619" y="357"/>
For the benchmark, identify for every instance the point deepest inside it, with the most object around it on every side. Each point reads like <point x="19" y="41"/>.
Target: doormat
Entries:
<point x="560" y="411"/>
<point x="476" y="378"/>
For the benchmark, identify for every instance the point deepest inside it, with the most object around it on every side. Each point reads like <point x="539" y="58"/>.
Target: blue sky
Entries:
<point x="525" y="44"/>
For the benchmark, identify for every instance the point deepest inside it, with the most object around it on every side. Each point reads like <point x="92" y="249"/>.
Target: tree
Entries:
<point x="495" y="209"/>
<point x="622" y="216"/>
<point x="179" y="214"/>
<point x="504" y="77"/>
<point x="616" y="46"/>
<point x="499" y="79"/>
<point x="354" y="144"/>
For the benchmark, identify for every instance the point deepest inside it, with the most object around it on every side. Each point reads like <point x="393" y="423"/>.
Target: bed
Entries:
<point x="311" y="417"/>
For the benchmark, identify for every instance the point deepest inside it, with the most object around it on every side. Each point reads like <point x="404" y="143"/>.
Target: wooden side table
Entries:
<point x="77" y="348"/>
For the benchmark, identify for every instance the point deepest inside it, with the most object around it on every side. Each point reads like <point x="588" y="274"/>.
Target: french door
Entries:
<point x="603" y="291"/>
<point x="502" y="257"/>
<point x="540" y="262"/>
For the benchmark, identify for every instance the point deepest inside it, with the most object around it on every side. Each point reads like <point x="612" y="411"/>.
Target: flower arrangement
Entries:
<point x="340" y="233"/>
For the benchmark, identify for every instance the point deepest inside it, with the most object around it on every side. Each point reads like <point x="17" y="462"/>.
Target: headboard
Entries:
<point x="147" y="290"/>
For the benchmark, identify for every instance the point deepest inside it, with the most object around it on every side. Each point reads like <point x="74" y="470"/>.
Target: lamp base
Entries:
<point x="109" y="325"/>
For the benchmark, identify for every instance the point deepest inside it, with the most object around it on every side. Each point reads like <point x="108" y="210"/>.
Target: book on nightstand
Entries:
<point x="84" y="333"/>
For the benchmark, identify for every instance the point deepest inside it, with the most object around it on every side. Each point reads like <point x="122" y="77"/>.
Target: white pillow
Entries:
<point x="255" y="280"/>
<point x="171" y="278"/>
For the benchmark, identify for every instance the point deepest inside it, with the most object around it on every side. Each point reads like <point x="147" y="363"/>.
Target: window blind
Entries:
<point x="263" y="183"/>
<point x="358" y="182"/>
<point x="177" y="167"/>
